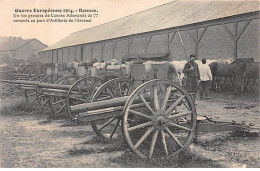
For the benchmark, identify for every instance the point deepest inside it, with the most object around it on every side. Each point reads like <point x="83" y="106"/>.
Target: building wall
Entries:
<point x="121" y="49"/>
<point x="248" y="44"/>
<point x="29" y="49"/>
<point x="7" y="53"/>
<point x="87" y="53"/>
<point x="216" y="43"/>
<point x="107" y="53"/>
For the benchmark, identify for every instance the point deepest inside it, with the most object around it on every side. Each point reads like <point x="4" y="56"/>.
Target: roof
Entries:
<point x="173" y="14"/>
<point x="11" y="44"/>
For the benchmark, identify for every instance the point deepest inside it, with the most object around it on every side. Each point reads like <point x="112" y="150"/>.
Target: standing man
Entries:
<point x="75" y="66"/>
<point x="206" y="78"/>
<point x="193" y="76"/>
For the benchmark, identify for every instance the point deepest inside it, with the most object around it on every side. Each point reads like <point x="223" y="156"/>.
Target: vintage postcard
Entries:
<point x="129" y="84"/>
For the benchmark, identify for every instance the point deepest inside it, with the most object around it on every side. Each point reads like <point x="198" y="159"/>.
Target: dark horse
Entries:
<point x="239" y="69"/>
<point x="221" y="70"/>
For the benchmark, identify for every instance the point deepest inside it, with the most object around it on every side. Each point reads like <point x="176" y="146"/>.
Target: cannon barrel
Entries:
<point x="103" y="113"/>
<point x="38" y="84"/>
<point x="106" y="108"/>
<point x="20" y="82"/>
<point x="120" y="101"/>
<point x="103" y="109"/>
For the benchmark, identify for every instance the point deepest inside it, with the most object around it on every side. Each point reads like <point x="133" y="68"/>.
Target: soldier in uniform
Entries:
<point x="193" y="76"/>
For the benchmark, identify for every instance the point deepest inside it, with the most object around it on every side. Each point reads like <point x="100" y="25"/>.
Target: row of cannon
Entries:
<point x="146" y="99"/>
<point x="157" y="116"/>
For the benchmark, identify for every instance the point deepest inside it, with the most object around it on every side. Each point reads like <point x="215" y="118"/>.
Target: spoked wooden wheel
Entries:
<point x="33" y="73"/>
<point x="80" y="92"/>
<point x="166" y="123"/>
<point x="58" y="103"/>
<point x="106" y="127"/>
<point x="31" y="93"/>
<point x="41" y="98"/>
<point x="37" y="77"/>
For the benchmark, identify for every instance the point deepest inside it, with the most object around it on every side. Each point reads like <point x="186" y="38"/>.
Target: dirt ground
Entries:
<point x="30" y="139"/>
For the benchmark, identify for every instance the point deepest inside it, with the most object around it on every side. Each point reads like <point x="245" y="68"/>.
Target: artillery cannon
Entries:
<point x="62" y="89"/>
<point x="158" y="117"/>
<point x="80" y="88"/>
<point x="146" y="109"/>
<point x="55" y="93"/>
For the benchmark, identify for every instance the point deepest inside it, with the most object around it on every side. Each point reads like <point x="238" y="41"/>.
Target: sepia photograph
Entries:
<point x="129" y="84"/>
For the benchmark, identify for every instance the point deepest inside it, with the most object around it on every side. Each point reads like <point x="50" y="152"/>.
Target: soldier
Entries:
<point x="193" y="76"/>
<point x="206" y="78"/>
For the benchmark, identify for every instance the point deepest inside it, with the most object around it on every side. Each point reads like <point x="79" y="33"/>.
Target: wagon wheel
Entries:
<point x="25" y="71"/>
<point x="41" y="98"/>
<point x="166" y="123"/>
<point x="58" y="103"/>
<point x="37" y="77"/>
<point x="80" y="92"/>
<point x="33" y="73"/>
<point x="106" y="128"/>
<point x="31" y="94"/>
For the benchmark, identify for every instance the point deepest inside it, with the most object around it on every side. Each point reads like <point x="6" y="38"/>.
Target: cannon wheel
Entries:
<point x="81" y="91"/>
<point x="37" y="77"/>
<point x="33" y="73"/>
<point x="31" y="94"/>
<point x="42" y="99"/>
<point x="166" y="123"/>
<point x="58" y="103"/>
<point x="118" y="87"/>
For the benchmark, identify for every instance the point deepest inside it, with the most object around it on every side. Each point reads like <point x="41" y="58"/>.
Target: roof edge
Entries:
<point x="44" y="50"/>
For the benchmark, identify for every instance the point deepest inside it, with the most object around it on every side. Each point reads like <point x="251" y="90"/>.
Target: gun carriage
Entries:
<point x="59" y="89"/>
<point x="157" y="116"/>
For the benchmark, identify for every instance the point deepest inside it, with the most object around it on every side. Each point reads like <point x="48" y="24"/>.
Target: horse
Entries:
<point x="219" y="71"/>
<point x="251" y="76"/>
<point x="179" y="65"/>
<point x="239" y="69"/>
